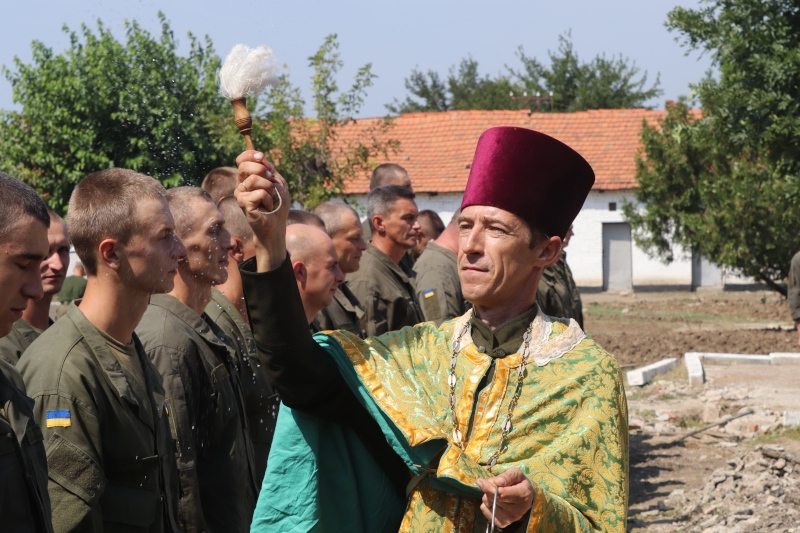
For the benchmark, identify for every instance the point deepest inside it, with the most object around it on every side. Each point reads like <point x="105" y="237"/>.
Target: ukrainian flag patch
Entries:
<point x="428" y="293"/>
<point x="59" y="418"/>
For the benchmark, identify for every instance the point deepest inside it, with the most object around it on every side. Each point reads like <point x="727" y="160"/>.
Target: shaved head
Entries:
<point x="315" y="265"/>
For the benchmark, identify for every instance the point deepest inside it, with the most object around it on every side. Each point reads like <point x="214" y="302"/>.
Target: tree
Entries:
<point x="602" y="83"/>
<point x="138" y="104"/>
<point x="727" y="183"/>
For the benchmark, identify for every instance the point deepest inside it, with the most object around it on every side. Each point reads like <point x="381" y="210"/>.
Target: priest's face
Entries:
<point x="497" y="265"/>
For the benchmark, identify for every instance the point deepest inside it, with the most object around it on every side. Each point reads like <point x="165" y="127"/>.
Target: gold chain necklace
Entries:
<point x="507" y="424"/>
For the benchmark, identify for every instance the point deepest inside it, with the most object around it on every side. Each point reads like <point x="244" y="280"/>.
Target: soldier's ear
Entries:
<point x="109" y="254"/>
<point x="377" y="224"/>
<point x="300" y="272"/>
<point x="237" y="252"/>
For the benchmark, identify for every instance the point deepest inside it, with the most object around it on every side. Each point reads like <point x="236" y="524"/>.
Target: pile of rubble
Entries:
<point x="757" y="491"/>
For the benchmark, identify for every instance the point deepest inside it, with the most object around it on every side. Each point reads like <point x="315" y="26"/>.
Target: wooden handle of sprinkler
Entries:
<point x="243" y="121"/>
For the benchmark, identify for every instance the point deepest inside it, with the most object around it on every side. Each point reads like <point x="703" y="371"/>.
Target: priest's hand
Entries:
<point x="261" y="190"/>
<point x="515" y="497"/>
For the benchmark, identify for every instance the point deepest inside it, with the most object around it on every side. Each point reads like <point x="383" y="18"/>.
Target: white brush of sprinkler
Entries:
<point x="246" y="71"/>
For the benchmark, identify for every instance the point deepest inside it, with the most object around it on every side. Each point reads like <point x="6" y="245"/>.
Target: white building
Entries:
<point x="437" y="149"/>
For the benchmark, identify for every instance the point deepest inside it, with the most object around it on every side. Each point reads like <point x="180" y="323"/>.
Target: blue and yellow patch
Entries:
<point x="428" y="293"/>
<point x="59" y="418"/>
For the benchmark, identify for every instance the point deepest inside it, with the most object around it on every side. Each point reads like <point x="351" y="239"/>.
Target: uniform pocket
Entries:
<point x="131" y="506"/>
<point x="75" y="470"/>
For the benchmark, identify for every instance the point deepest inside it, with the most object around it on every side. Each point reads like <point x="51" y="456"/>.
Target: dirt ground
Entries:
<point x="642" y="328"/>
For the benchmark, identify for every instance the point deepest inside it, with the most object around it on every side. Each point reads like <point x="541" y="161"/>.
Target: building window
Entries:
<point x="612" y="206"/>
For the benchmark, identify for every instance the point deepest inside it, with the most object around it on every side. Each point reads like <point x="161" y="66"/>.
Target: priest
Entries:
<point x="503" y="412"/>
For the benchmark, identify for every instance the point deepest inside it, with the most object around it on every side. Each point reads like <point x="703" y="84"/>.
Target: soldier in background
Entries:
<point x="36" y="317"/>
<point x="793" y="294"/>
<point x="73" y="287"/>
<point x="383" y="286"/>
<point x="386" y="174"/>
<point x="24" y="500"/>
<point x="438" y="284"/>
<point x="344" y="228"/>
<point x="220" y="182"/>
<point x="227" y="309"/>
<point x="203" y="393"/>
<point x="99" y="399"/>
<point x="557" y="294"/>
<point x="299" y="216"/>
<point x="431" y="226"/>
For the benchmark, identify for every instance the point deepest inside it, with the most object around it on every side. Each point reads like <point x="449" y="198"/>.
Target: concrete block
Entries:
<point x="791" y="419"/>
<point x="734" y="359"/>
<point x="785" y="358"/>
<point x="694" y="367"/>
<point x="643" y="376"/>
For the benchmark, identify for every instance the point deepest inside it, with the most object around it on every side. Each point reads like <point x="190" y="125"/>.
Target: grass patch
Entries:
<point x="783" y="434"/>
<point x="647" y="414"/>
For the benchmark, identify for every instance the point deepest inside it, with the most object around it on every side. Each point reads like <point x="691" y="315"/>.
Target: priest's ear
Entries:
<point x="548" y="251"/>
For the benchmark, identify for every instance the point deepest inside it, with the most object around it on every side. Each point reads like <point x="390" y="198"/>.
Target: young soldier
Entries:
<point x="227" y="309"/>
<point x="344" y="229"/>
<point x="24" y="502"/>
<point x="215" y="455"/>
<point x="99" y="400"/>
<point x="36" y="317"/>
<point x="382" y="285"/>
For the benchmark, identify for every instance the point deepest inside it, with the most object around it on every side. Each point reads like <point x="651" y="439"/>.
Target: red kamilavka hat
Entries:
<point x="530" y="174"/>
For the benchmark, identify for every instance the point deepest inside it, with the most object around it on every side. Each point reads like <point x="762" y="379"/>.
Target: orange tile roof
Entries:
<point x="436" y="148"/>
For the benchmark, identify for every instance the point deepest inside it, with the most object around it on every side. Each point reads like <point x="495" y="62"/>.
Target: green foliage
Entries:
<point x="601" y="83"/>
<point x="727" y="185"/>
<point x="138" y="104"/>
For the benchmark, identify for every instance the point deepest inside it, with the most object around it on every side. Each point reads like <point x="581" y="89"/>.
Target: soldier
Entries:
<point x="99" y="400"/>
<point x="793" y="294"/>
<point x="557" y="294"/>
<point x="430" y="227"/>
<point x="298" y="216"/>
<point x="74" y="286"/>
<point x="438" y="284"/>
<point x="384" y="288"/>
<point x="316" y="268"/>
<point x="214" y="451"/>
<point x="36" y="317"/>
<point x="386" y="174"/>
<point x="220" y="182"/>
<point x="24" y="501"/>
<point x="344" y="229"/>
<point x="227" y="309"/>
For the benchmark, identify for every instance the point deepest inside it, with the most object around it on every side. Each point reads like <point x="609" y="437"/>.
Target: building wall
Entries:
<point x="585" y="252"/>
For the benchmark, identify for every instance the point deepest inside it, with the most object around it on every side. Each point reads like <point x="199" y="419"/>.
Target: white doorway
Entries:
<point x="617" y="263"/>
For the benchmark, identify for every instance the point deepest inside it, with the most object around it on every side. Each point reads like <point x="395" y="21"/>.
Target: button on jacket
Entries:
<point x="206" y="411"/>
<point x="386" y="292"/>
<point x="345" y="312"/>
<point x="261" y="401"/>
<point x="24" y="502"/>
<point x="106" y="434"/>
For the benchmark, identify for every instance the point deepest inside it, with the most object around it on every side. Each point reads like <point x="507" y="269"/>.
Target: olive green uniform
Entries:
<point x="106" y="434"/>
<point x="557" y="294"/>
<point x="345" y="312"/>
<point x="438" y="284"/>
<point x="206" y="406"/>
<point x="261" y="401"/>
<point x="17" y="341"/>
<point x="387" y="293"/>
<point x="72" y="289"/>
<point x="793" y="294"/>
<point x="24" y="501"/>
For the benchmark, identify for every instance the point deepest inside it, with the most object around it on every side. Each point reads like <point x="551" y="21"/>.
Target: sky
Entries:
<point x="395" y="37"/>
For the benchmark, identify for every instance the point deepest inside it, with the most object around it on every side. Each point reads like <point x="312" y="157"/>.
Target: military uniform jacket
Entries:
<point x="261" y="401"/>
<point x="793" y="294"/>
<point x="558" y="295"/>
<point x="345" y="313"/>
<point x="438" y="284"/>
<point x="386" y="292"/>
<point x="106" y="434"/>
<point x="24" y="502"/>
<point x="206" y="408"/>
<point x="72" y="289"/>
<point x="17" y="341"/>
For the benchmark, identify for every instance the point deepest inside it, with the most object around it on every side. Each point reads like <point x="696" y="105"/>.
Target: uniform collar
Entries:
<point x="227" y="307"/>
<point x="505" y="339"/>
<point x="187" y="315"/>
<point x="386" y="261"/>
<point x="346" y="299"/>
<point x="433" y="247"/>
